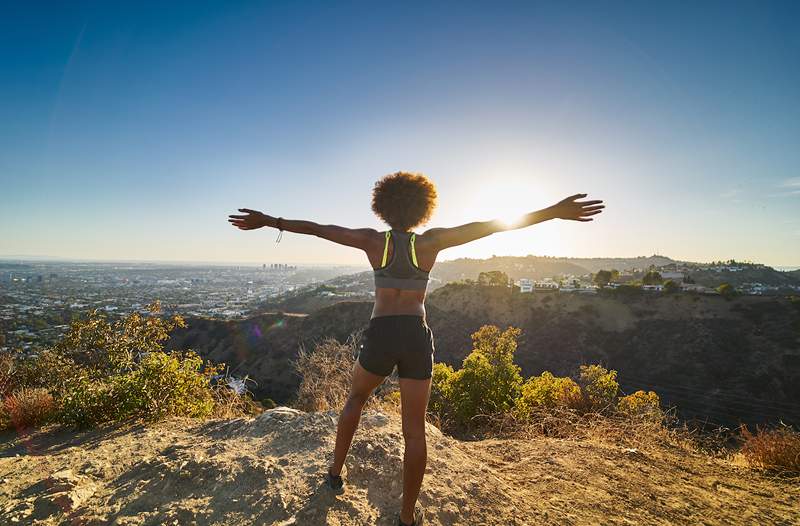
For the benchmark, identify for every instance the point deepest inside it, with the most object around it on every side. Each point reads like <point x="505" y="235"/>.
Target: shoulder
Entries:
<point x="370" y="236"/>
<point x="431" y="235"/>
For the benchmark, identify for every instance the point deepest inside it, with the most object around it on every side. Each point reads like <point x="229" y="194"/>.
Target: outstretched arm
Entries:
<point x="363" y="238"/>
<point x="569" y="208"/>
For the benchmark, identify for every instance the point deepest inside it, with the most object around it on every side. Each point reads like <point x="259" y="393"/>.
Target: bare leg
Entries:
<point x="414" y="396"/>
<point x="364" y="382"/>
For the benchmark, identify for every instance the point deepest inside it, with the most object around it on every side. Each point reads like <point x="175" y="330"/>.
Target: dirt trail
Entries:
<point x="268" y="471"/>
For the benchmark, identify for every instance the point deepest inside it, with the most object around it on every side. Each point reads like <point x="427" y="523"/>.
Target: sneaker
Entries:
<point x="419" y="518"/>
<point x="334" y="482"/>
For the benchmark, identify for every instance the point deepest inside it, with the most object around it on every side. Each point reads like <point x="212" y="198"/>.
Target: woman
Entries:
<point x="397" y="335"/>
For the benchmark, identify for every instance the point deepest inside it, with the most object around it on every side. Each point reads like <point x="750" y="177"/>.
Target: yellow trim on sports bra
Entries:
<point x="386" y="249"/>
<point x="413" y="251"/>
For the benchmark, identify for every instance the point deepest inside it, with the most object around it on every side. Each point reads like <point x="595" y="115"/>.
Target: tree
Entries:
<point x="602" y="278"/>
<point x="670" y="286"/>
<point x="493" y="278"/>
<point x="652" y="278"/>
<point x="726" y="290"/>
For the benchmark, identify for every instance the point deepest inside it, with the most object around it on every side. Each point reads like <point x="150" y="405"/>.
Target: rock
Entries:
<point x="373" y="420"/>
<point x="63" y="480"/>
<point x="69" y="500"/>
<point x="283" y="414"/>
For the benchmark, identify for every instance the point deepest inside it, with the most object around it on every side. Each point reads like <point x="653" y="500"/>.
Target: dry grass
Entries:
<point x="636" y="432"/>
<point x="229" y="404"/>
<point x="772" y="449"/>
<point x="29" y="407"/>
<point x="326" y="374"/>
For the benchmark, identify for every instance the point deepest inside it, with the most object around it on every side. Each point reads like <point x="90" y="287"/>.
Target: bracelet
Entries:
<point x="280" y="228"/>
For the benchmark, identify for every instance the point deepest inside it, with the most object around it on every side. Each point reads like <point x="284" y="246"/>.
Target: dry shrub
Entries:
<point x="325" y="375"/>
<point x="772" y="449"/>
<point x="230" y="404"/>
<point x="29" y="407"/>
<point x="567" y="423"/>
<point x="7" y="374"/>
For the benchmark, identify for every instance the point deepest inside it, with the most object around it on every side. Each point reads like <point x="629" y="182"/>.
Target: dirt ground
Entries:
<point x="268" y="470"/>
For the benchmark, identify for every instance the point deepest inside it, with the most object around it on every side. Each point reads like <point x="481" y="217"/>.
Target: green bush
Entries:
<point x="488" y="382"/>
<point x="49" y="369"/>
<point x="98" y="343"/>
<point x="440" y="388"/>
<point x="599" y="386"/>
<point x="640" y="405"/>
<point x="160" y="385"/>
<point x="547" y="392"/>
<point x="103" y="371"/>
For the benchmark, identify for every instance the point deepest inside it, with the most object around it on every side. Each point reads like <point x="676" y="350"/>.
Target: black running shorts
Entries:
<point x="405" y="341"/>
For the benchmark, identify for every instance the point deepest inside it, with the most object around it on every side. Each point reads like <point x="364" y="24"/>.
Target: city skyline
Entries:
<point x="130" y="133"/>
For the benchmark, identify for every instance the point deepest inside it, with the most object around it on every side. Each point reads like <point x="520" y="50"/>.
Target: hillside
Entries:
<point x="538" y="267"/>
<point x="268" y="470"/>
<point x="725" y="361"/>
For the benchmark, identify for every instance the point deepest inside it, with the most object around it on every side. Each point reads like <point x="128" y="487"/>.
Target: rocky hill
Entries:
<point x="724" y="361"/>
<point x="268" y="470"/>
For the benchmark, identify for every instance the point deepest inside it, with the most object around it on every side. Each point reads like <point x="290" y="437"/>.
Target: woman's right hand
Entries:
<point x="251" y="220"/>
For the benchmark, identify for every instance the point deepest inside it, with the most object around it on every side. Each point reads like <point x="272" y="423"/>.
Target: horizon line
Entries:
<point x="23" y="257"/>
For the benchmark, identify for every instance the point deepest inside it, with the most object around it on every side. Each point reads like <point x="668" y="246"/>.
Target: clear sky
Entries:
<point x="131" y="131"/>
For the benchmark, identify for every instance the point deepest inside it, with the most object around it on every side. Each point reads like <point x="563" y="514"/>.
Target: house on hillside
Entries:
<point x="525" y="285"/>
<point x="675" y="276"/>
<point x="692" y="287"/>
<point x="545" y="286"/>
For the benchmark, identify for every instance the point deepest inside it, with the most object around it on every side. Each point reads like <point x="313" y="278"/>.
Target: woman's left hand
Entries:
<point x="574" y="210"/>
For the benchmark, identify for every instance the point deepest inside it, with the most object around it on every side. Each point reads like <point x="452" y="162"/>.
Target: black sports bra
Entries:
<point x="402" y="271"/>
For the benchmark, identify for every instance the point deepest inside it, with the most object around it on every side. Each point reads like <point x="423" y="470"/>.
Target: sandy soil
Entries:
<point x="268" y="471"/>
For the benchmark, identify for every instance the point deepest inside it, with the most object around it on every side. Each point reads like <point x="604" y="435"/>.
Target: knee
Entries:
<point x="356" y="401"/>
<point x="414" y="435"/>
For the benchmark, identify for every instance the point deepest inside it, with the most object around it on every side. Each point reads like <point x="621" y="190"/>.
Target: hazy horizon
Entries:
<point x="365" y="264"/>
<point x="129" y="133"/>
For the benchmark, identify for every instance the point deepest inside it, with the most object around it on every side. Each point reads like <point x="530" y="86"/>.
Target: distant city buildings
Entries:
<point x="39" y="299"/>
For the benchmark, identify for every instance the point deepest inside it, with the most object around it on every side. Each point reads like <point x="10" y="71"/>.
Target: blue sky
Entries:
<point x="131" y="131"/>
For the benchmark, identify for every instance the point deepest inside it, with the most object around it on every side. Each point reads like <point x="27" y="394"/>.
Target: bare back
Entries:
<point x="391" y="302"/>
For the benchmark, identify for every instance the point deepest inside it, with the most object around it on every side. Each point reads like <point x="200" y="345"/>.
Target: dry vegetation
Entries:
<point x="29" y="407"/>
<point x="550" y="450"/>
<point x="775" y="450"/>
<point x="326" y="373"/>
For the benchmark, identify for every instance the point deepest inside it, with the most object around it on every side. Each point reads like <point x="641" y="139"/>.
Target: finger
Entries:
<point x="587" y="214"/>
<point x="237" y="216"/>
<point x="590" y="208"/>
<point x="589" y="203"/>
<point x="247" y="210"/>
<point x="582" y="220"/>
<point x="574" y="197"/>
